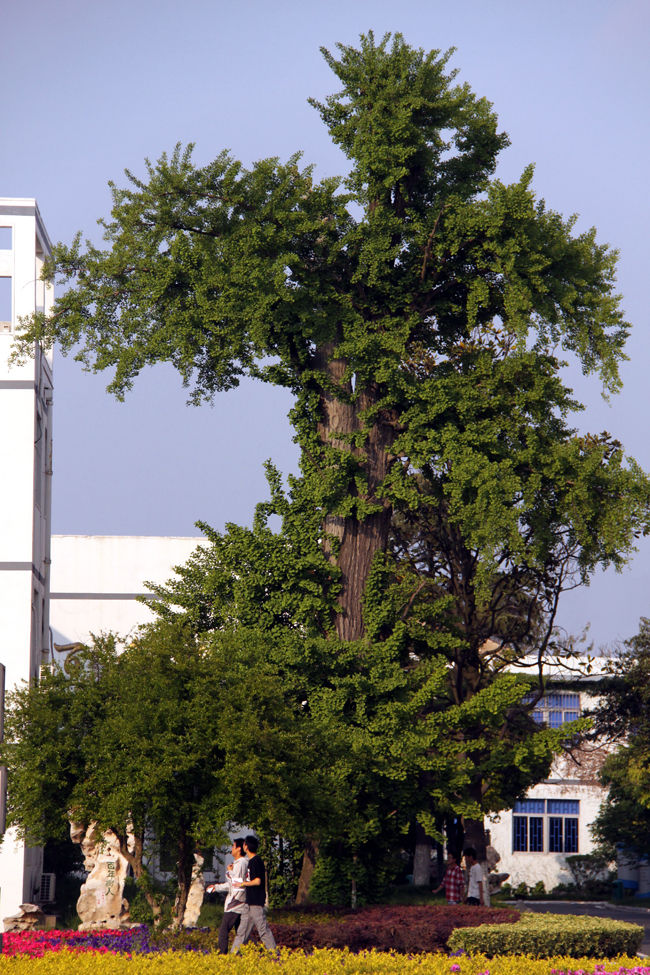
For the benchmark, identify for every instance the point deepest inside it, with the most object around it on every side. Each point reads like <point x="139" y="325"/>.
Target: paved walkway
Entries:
<point x="618" y="912"/>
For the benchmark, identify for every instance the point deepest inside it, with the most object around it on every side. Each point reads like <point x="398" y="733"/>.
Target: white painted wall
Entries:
<point x="569" y="779"/>
<point x="95" y="579"/>
<point x="26" y="393"/>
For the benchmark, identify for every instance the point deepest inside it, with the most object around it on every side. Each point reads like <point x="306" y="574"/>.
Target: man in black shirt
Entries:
<point x="253" y="915"/>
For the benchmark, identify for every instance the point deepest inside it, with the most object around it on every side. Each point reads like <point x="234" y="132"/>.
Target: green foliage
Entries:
<point x="401" y="745"/>
<point x="215" y="268"/>
<point x="49" y="741"/>
<point x="373" y="869"/>
<point x="623" y="717"/>
<point x="331" y="882"/>
<point x="590" y="870"/>
<point x="444" y="503"/>
<point x="282" y="859"/>
<point x="268" y="580"/>
<point x="544" y="935"/>
<point x="173" y="735"/>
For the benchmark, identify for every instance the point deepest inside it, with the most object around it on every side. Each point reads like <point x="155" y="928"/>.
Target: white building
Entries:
<point x="553" y="822"/>
<point x="96" y="580"/>
<point x="26" y="393"/>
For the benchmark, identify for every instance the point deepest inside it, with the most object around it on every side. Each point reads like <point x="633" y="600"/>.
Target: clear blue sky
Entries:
<point x="90" y="88"/>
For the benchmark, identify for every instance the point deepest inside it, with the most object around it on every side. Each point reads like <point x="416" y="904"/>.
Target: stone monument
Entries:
<point x="101" y="902"/>
<point x="195" y="895"/>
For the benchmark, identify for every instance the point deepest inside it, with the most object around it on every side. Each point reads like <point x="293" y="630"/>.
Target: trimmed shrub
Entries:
<point x="543" y="935"/>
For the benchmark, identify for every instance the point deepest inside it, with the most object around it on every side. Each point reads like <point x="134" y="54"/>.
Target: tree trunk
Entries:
<point x="421" y="858"/>
<point x="357" y="540"/>
<point x="455" y="835"/>
<point x="353" y="883"/>
<point x="184" y="866"/>
<point x="132" y="849"/>
<point x="309" y="858"/>
<point x="475" y="837"/>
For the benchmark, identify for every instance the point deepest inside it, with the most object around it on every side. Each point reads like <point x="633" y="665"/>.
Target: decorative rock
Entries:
<point x="495" y="880"/>
<point x="195" y="895"/>
<point x="101" y="903"/>
<point x="29" y="918"/>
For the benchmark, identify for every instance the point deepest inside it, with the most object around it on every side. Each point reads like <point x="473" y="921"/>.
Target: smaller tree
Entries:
<point x="174" y="736"/>
<point x="623" y="719"/>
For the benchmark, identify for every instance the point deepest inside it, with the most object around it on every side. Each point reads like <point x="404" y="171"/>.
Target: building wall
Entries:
<point x="96" y="579"/>
<point x="573" y="777"/>
<point x="26" y="396"/>
<point x="551" y="868"/>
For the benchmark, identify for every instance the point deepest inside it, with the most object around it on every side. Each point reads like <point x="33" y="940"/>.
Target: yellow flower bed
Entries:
<point x="322" y="961"/>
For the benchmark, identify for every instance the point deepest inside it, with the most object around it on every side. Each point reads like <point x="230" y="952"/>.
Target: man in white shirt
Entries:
<point x="475" y="881"/>
<point x="235" y="895"/>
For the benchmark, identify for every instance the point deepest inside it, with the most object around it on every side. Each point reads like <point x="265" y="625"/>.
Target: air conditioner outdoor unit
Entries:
<point x="47" y="888"/>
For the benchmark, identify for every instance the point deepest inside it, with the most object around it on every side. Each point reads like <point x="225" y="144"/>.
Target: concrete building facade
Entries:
<point x="26" y="397"/>
<point x="553" y="821"/>
<point x="96" y="580"/>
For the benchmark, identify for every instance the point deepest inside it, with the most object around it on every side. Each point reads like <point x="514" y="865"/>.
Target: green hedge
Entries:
<point x="545" y="935"/>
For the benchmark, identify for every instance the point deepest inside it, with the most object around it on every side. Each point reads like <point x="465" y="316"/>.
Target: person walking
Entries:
<point x="453" y="881"/>
<point x="475" y="881"/>
<point x="253" y="913"/>
<point x="235" y="896"/>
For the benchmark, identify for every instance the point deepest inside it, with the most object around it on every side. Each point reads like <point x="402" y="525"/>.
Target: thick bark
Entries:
<point x="309" y="858"/>
<point x="184" y="866"/>
<point x="132" y="849"/>
<point x="422" y="858"/>
<point x="475" y="837"/>
<point x="358" y="540"/>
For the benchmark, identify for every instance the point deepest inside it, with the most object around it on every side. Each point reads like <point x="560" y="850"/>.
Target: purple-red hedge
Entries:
<point x="386" y="928"/>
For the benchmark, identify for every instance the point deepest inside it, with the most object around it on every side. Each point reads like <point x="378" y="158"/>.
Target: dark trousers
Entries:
<point x="474" y="900"/>
<point x="231" y="919"/>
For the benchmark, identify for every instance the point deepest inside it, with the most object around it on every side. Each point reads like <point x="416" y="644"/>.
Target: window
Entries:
<point x="5" y="304"/>
<point x="5" y="238"/>
<point x="545" y="825"/>
<point x="563" y="828"/>
<point x="556" y="709"/>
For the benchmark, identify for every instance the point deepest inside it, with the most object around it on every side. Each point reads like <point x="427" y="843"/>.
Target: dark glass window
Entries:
<point x="570" y="835"/>
<point x="530" y="806"/>
<point x="520" y="834"/>
<point x="563" y="807"/>
<point x="557" y="708"/>
<point x="536" y="825"/>
<point x="555" y="834"/>
<point x="558" y="818"/>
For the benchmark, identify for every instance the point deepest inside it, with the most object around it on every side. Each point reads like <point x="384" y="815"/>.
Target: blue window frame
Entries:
<point x="536" y="842"/>
<point x="530" y="806"/>
<point x="520" y="834"/>
<point x="555" y="819"/>
<point x="570" y="835"/>
<point x="563" y="807"/>
<point x="556" y="709"/>
<point x="555" y="844"/>
<point x="528" y="834"/>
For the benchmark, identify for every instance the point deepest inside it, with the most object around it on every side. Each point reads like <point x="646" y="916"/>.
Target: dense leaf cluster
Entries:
<point x="623" y="718"/>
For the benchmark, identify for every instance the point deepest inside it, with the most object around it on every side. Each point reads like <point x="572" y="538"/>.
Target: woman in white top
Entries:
<point x="235" y="895"/>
